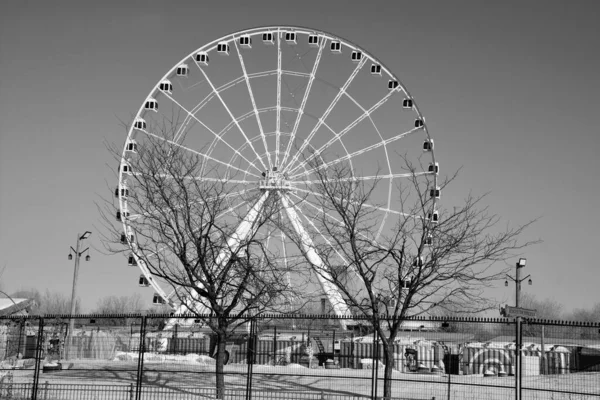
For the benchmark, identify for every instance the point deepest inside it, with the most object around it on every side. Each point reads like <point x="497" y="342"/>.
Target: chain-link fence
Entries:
<point x="297" y="357"/>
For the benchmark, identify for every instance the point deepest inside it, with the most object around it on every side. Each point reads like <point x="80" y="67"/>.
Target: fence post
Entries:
<point x="46" y="390"/>
<point x="518" y="365"/>
<point x="449" y="383"/>
<point x="174" y="339"/>
<point x="38" y="357"/>
<point x="141" y="350"/>
<point x="375" y="350"/>
<point x="250" y="359"/>
<point x="131" y="392"/>
<point x="274" y="345"/>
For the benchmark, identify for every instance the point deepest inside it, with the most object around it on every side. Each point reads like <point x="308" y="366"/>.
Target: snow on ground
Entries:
<point x="190" y="359"/>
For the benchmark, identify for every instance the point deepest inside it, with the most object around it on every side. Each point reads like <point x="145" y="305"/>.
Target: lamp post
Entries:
<point x="78" y="255"/>
<point x="518" y="331"/>
<point x="517" y="279"/>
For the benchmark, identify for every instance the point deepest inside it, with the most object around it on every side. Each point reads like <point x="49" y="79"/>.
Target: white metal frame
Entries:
<point x="291" y="164"/>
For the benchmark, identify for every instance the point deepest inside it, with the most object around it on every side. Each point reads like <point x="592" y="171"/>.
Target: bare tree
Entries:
<point x="200" y="231"/>
<point x="428" y="259"/>
<point x="545" y="309"/>
<point x="119" y="305"/>
<point x="48" y="302"/>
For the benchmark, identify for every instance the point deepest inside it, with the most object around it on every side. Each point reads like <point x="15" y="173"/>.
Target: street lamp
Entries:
<point x="78" y="255"/>
<point x="517" y="279"/>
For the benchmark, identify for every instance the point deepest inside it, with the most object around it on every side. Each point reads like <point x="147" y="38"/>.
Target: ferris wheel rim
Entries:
<point x="231" y="37"/>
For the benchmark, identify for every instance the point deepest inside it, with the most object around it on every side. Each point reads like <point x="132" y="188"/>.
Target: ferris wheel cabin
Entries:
<point x="407" y="103"/>
<point x="122" y="191"/>
<point x="182" y="70"/>
<point x="124" y="238"/>
<point x="143" y="282"/>
<point x="428" y="145"/>
<point x="336" y="47"/>
<point x="157" y="299"/>
<point x="434" y="168"/>
<point x="245" y="42"/>
<point x="222" y="48"/>
<point x="165" y="86"/>
<point x="139" y="124"/>
<point x="151" y="105"/>
<point x="313" y="40"/>
<point x="124" y="214"/>
<point x="202" y="58"/>
<point x="126" y="168"/>
<point x="131" y="146"/>
<point x="131" y="261"/>
<point x="356" y="56"/>
<point x="433" y="217"/>
<point x="376" y="69"/>
<point x="290" y="37"/>
<point x="268" y="38"/>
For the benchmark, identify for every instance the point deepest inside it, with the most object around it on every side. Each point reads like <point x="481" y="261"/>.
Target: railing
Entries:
<point x="311" y="358"/>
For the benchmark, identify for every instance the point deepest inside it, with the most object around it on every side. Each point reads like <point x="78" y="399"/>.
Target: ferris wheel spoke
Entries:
<point x="278" y="120"/>
<point x="134" y="217"/>
<point x="295" y="73"/>
<point x="356" y="153"/>
<point x="217" y="136"/>
<point x="321" y="211"/>
<point x="337" y="302"/>
<point x="199" y="178"/>
<point x="304" y="99"/>
<point x="311" y="223"/>
<point x="283" y="248"/>
<point x="367" y="205"/>
<point x="354" y="123"/>
<point x="260" y="127"/>
<point x="206" y="156"/>
<point x="368" y="178"/>
<point x="325" y="114"/>
<point x="230" y="113"/>
<point x="220" y="89"/>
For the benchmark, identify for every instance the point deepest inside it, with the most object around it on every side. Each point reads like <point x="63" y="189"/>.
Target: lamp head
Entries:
<point x="530" y="282"/>
<point x="505" y="283"/>
<point x="87" y="258"/>
<point x="85" y="235"/>
<point x="522" y="262"/>
<point x="70" y="256"/>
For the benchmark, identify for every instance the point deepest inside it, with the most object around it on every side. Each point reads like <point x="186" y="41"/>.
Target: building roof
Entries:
<point x="14" y="306"/>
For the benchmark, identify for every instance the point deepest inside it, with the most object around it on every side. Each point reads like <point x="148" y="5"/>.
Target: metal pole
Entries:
<point x="518" y="364"/>
<point x="73" y="294"/>
<point x="544" y="364"/>
<point x="38" y="357"/>
<point x="142" y="350"/>
<point x="517" y="286"/>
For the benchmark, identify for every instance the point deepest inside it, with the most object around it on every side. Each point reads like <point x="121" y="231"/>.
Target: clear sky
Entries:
<point x="510" y="91"/>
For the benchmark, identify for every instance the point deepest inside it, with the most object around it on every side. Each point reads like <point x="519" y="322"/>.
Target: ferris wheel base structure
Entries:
<point x="274" y="186"/>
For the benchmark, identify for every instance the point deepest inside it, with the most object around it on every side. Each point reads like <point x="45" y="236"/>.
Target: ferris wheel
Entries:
<point x="261" y="104"/>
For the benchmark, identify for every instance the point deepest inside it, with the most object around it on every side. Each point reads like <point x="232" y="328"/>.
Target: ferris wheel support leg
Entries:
<point x="335" y="298"/>
<point x="244" y="229"/>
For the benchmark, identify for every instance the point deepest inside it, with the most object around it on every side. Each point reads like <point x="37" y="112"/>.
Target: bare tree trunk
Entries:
<point x="389" y="367"/>
<point x="220" y="363"/>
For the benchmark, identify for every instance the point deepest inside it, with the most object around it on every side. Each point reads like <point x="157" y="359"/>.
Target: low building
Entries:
<point x="10" y="307"/>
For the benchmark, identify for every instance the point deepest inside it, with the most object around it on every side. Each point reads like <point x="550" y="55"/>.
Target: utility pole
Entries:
<point x="78" y="255"/>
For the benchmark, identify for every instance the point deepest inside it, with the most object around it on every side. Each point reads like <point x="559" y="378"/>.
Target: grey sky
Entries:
<point x="509" y="91"/>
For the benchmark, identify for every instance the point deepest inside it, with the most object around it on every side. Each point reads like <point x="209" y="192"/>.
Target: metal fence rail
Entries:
<point x="130" y="357"/>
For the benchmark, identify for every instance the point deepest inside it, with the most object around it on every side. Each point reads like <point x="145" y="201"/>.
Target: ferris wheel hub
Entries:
<point x="274" y="180"/>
